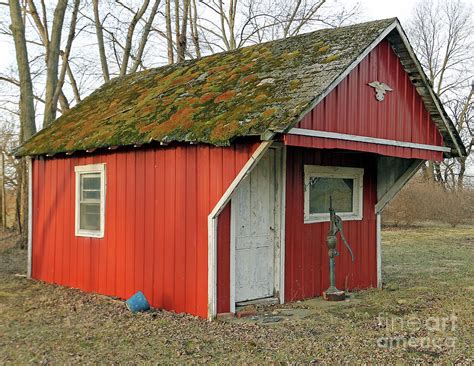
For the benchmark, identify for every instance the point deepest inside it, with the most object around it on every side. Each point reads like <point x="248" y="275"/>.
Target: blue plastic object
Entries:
<point x="137" y="303"/>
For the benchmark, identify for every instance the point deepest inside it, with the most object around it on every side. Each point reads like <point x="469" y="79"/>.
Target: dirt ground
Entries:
<point x="425" y="313"/>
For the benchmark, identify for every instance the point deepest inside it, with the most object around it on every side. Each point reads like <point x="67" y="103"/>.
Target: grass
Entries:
<point x="428" y="275"/>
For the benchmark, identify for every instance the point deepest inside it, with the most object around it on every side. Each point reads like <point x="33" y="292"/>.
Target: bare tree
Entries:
<point x="237" y="23"/>
<point x="131" y="29"/>
<point x="462" y="112"/>
<point x="145" y="36"/>
<point x="52" y="62"/>
<point x="26" y="105"/>
<point x="100" y="41"/>
<point x="8" y="170"/>
<point x="169" y="34"/>
<point x="441" y="33"/>
<point x="65" y="60"/>
<point x="181" y="33"/>
<point x="193" y="24"/>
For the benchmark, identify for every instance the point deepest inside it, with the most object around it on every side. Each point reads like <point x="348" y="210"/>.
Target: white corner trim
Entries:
<point x="379" y="248"/>
<point x="90" y="168"/>
<point x="232" y="259"/>
<point x="212" y="227"/>
<point x="282" y="225"/>
<point x="30" y="215"/>
<point x="366" y="139"/>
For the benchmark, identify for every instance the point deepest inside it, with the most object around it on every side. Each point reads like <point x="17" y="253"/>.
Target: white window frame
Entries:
<point x="87" y="169"/>
<point x="357" y="174"/>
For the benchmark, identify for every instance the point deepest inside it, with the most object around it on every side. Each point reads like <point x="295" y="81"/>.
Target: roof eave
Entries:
<point x="456" y="144"/>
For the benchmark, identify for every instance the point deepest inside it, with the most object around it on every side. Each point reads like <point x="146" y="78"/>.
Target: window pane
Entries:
<point x="320" y="189"/>
<point x="90" y="187"/>
<point x="90" y="195"/>
<point x="89" y="216"/>
<point x="91" y="181"/>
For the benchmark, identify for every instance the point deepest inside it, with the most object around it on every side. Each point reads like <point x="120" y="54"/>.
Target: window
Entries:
<point x="343" y="184"/>
<point x="90" y="200"/>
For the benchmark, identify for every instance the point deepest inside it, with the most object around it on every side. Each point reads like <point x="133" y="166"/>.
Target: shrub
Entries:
<point x="421" y="201"/>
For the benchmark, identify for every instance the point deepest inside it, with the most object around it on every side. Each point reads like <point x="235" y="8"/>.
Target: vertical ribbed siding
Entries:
<point x="351" y="108"/>
<point x="306" y="262"/>
<point x="157" y="203"/>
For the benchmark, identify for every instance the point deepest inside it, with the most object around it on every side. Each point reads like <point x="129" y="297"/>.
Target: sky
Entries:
<point x="379" y="9"/>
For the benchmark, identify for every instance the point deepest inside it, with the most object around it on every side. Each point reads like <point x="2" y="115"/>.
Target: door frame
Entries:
<point x="279" y="241"/>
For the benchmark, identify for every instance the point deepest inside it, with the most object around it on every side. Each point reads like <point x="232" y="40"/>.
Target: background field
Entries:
<point x="428" y="275"/>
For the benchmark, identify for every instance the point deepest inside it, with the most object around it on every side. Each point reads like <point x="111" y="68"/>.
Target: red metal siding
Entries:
<point x="306" y="262"/>
<point x="157" y="203"/>
<point x="351" y="108"/>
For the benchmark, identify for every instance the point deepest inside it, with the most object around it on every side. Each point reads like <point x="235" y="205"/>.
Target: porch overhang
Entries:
<point x="330" y="140"/>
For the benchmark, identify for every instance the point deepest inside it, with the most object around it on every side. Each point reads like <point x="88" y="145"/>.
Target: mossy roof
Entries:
<point x="249" y="91"/>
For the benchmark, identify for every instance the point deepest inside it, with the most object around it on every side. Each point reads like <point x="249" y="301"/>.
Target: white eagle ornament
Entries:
<point x="380" y="89"/>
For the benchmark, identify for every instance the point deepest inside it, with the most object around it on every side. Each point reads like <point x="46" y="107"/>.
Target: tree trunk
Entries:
<point x="193" y="18"/>
<point x="27" y="109"/>
<point x="144" y="37"/>
<point x="100" y="41"/>
<point x="462" y="172"/>
<point x="182" y="35"/>
<point x="65" y="60"/>
<point x="131" y="30"/>
<point x="169" y="35"/>
<point x="177" y="29"/>
<point x="22" y="204"/>
<point x="438" y="175"/>
<point x="53" y="61"/>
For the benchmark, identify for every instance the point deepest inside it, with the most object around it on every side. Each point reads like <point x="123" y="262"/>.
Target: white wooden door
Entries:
<point x="253" y="220"/>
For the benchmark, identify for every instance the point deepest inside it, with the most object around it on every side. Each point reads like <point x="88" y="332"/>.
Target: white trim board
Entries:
<point x="281" y="179"/>
<point x="378" y="220"/>
<point x="30" y="215"/>
<point x="86" y="169"/>
<point x="212" y="227"/>
<point x="325" y="171"/>
<point x="366" y="139"/>
<point x="279" y="239"/>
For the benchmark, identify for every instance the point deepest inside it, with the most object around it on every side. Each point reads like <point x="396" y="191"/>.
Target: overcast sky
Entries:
<point x="379" y="9"/>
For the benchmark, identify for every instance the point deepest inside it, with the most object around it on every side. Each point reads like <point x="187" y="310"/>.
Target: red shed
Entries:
<point x="205" y="184"/>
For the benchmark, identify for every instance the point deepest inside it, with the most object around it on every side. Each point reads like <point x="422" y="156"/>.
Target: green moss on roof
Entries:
<point x="213" y="100"/>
